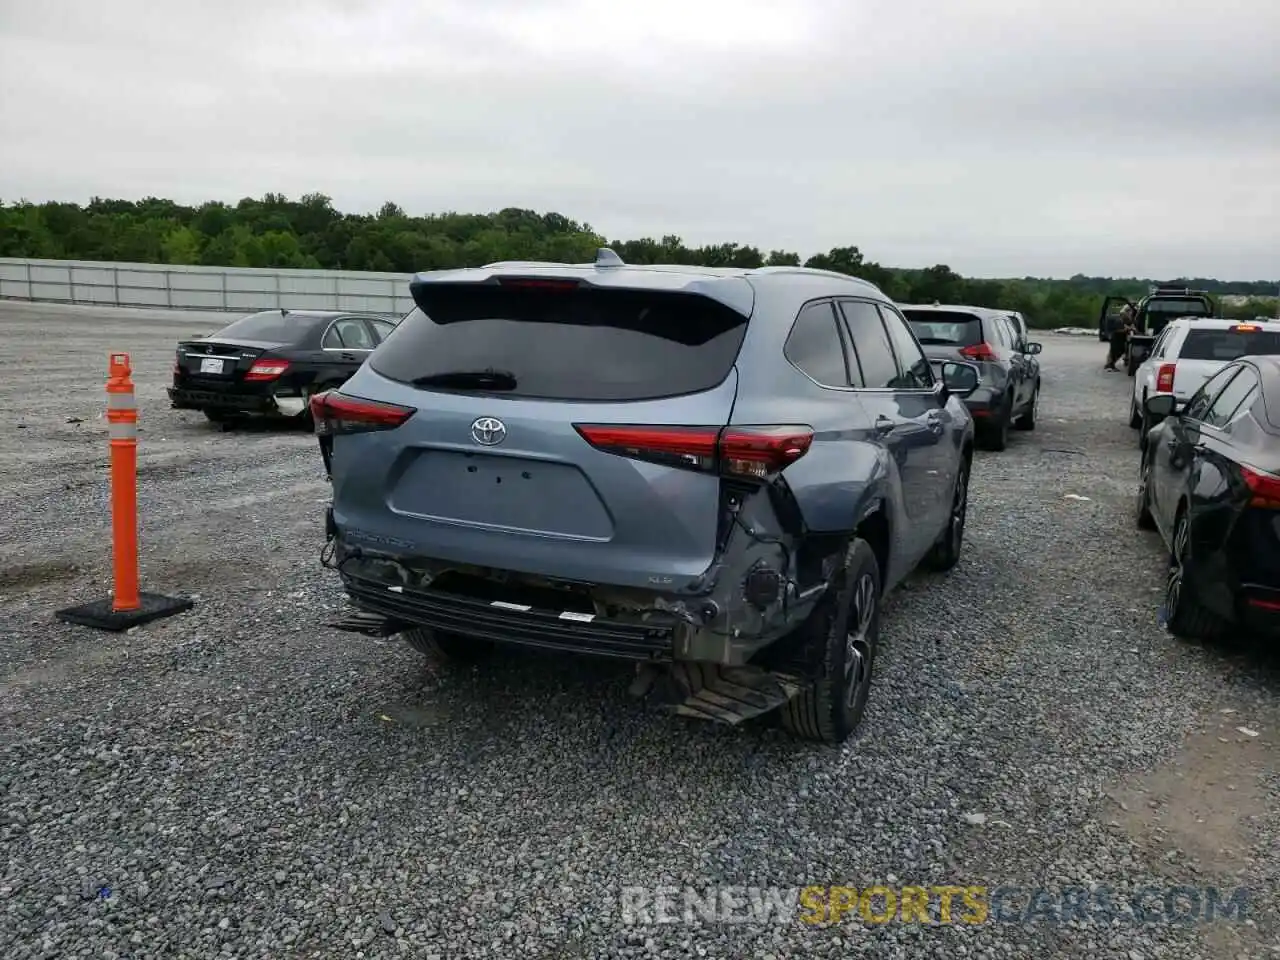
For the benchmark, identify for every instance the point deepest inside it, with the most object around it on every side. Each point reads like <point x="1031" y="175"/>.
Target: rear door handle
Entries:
<point x="884" y="426"/>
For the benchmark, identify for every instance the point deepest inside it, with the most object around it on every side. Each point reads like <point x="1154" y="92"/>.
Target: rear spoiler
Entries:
<point x="733" y="292"/>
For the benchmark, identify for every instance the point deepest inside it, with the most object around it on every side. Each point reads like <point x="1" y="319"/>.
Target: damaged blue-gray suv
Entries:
<point x="717" y="473"/>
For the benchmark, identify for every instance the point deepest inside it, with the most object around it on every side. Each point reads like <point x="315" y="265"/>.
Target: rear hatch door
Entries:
<point x="1204" y="352"/>
<point x="494" y="469"/>
<point x="943" y="334"/>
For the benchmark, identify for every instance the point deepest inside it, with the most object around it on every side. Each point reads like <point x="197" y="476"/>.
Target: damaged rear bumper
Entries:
<point x="502" y="622"/>
<point x="717" y="626"/>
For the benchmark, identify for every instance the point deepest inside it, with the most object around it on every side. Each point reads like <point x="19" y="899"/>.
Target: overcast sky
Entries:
<point x="1048" y="137"/>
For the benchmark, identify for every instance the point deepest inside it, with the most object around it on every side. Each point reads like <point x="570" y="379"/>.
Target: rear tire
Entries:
<point x="1028" y="420"/>
<point x="838" y="644"/>
<point x="1185" y="615"/>
<point x="1144" y="518"/>
<point x="946" y="552"/>
<point x="1135" y="415"/>
<point x="996" y="434"/>
<point x="447" y="646"/>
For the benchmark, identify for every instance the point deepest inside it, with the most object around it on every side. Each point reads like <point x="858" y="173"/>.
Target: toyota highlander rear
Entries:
<point x="543" y="456"/>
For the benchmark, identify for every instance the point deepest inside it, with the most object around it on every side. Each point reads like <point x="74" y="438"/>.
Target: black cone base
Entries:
<point x="151" y="606"/>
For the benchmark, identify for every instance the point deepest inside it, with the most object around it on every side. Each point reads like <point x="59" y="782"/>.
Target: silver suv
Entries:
<point x="714" y="472"/>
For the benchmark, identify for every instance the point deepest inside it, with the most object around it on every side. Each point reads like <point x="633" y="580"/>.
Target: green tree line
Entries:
<point x="308" y="233"/>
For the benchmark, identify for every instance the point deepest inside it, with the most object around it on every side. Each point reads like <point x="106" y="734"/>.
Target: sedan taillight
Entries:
<point x="267" y="369"/>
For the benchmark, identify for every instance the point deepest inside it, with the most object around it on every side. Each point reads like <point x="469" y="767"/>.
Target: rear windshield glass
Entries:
<point x="1179" y="308"/>
<point x="1229" y="344"/>
<point x="939" y="327"/>
<point x="579" y="344"/>
<point x="270" y="325"/>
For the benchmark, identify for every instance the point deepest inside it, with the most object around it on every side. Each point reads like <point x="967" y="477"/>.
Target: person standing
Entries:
<point x="1121" y="327"/>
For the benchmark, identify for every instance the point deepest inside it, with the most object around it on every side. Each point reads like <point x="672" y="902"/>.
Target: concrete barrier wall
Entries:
<point x="231" y="289"/>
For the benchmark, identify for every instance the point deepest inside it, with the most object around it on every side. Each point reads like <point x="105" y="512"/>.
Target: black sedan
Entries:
<point x="1210" y="484"/>
<point x="270" y="363"/>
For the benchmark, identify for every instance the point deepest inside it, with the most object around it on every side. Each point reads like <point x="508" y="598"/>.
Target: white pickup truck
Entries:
<point x="1188" y="352"/>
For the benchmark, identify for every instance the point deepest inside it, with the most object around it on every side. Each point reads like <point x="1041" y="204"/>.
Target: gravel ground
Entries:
<point x="241" y="781"/>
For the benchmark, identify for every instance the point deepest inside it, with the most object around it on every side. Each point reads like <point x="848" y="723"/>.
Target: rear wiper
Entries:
<point x="473" y="379"/>
<point x="933" y="341"/>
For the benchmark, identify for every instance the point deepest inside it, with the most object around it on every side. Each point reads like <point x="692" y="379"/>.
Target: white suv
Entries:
<point x="1188" y="352"/>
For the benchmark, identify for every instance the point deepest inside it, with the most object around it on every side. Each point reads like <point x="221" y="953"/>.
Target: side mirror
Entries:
<point x="1161" y="405"/>
<point x="1032" y="348"/>
<point x="959" y="379"/>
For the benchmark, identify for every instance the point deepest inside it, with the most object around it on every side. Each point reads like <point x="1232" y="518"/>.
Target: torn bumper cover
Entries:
<point x="717" y="624"/>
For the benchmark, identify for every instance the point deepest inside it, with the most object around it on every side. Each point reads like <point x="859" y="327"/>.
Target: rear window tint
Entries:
<point x="1228" y="344"/>
<point x="271" y="326"/>
<point x="582" y="344"/>
<point x="939" y="327"/>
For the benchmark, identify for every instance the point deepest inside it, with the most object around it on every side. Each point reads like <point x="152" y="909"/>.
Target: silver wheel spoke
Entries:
<point x="857" y="639"/>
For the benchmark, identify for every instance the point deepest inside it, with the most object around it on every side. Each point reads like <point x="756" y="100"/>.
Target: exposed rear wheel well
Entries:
<point x="874" y="529"/>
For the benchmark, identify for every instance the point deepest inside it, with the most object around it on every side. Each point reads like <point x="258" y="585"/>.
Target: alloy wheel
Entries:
<point x="1177" y="558"/>
<point x="857" y="653"/>
<point x="959" y="507"/>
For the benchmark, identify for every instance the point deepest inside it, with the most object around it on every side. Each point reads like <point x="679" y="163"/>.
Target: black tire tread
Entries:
<point x="941" y="557"/>
<point x="1193" y="620"/>
<point x="447" y="646"/>
<point x="1027" y="421"/>
<point x="813" y="713"/>
<point x="1144" y="518"/>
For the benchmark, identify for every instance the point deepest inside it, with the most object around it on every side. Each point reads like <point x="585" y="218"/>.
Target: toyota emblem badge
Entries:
<point x="488" y="431"/>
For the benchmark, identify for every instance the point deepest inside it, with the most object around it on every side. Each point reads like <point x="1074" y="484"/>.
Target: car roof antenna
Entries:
<point x="607" y="258"/>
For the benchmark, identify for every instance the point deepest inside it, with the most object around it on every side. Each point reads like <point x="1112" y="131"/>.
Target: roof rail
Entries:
<point x="813" y="272"/>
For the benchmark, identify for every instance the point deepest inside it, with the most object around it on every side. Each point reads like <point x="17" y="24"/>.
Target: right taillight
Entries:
<point x="979" y="351"/>
<point x="753" y="452"/>
<point x="1164" y="378"/>
<point x="1264" y="488"/>
<point x="334" y="413"/>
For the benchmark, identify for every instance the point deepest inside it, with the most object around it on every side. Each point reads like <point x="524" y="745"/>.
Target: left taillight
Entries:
<point x="266" y="369"/>
<point x="756" y="452"/>
<point x="333" y="413"/>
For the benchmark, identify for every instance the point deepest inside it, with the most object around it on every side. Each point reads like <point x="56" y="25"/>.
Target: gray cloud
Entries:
<point x="1050" y="139"/>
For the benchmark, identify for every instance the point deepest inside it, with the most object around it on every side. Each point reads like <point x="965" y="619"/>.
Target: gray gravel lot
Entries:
<point x="241" y="781"/>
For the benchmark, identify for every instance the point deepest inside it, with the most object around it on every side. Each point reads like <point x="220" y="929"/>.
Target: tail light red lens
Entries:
<point x="751" y="452"/>
<point x="979" y="351"/>
<point x="1264" y="488"/>
<point x="334" y="413"/>
<point x="1164" y="378"/>
<point x="266" y="369"/>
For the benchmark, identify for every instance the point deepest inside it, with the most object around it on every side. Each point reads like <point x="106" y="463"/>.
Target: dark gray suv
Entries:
<point x="715" y="472"/>
<point x="1009" y="394"/>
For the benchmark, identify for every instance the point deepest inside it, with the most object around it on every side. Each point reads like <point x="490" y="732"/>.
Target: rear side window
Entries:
<point x="1230" y="344"/>
<point x="871" y="346"/>
<point x="1236" y="393"/>
<point x="557" y="344"/>
<point x="814" y="346"/>
<point x="944" y="327"/>
<point x="271" y="326"/>
<point x="914" y="372"/>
